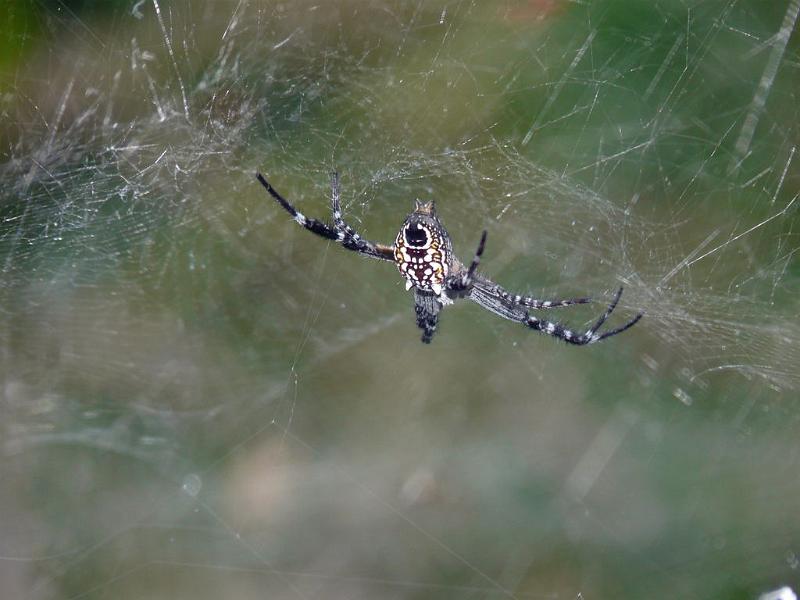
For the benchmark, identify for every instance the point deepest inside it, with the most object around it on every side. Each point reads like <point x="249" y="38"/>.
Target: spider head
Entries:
<point x="424" y="208"/>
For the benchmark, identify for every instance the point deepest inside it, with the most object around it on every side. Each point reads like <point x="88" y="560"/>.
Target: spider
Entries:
<point x="423" y="253"/>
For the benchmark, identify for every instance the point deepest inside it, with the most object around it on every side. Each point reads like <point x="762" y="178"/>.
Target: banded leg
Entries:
<point x="485" y="297"/>
<point x="427" y="308"/>
<point x="318" y="227"/>
<point x="493" y="289"/>
<point x="588" y="337"/>
<point x="336" y="208"/>
<point x="461" y="282"/>
<point x="340" y="232"/>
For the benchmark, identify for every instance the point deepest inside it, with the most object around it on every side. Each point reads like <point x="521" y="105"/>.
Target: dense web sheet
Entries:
<point x="201" y="397"/>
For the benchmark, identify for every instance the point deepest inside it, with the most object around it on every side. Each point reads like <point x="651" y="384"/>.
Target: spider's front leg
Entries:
<point x="459" y="283"/>
<point x="340" y="231"/>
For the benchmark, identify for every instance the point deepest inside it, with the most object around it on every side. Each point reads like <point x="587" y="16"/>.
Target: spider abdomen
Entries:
<point x="425" y="269"/>
<point x="422" y="253"/>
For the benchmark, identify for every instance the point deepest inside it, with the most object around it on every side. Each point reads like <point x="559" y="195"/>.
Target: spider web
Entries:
<point x="202" y="400"/>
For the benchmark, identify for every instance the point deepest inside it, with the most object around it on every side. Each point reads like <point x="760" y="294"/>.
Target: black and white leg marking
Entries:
<point x="345" y="230"/>
<point x="314" y="225"/>
<point x="460" y="283"/>
<point x="588" y="337"/>
<point x="515" y="312"/>
<point x="426" y="307"/>
<point x="340" y="232"/>
<point x="537" y="304"/>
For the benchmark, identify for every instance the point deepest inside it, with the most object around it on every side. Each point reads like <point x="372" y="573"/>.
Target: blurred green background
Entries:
<point x="202" y="400"/>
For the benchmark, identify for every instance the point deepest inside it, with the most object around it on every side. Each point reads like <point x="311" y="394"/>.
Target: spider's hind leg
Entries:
<point x="427" y="307"/>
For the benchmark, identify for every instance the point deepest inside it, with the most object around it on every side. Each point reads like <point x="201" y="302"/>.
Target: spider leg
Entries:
<point x="477" y="258"/>
<point x="352" y="240"/>
<point x="602" y="319"/>
<point x="599" y="323"/>
<point x="313" y="225"/>
<point x="499" y="305"/>
<point x="340" y="232"/>
<point x="497" y="291"/>
<point x="588" y="337"/>
<point x="336" y="207"/>
<point x="461" y="281"/>
<point x="427" y="308"/>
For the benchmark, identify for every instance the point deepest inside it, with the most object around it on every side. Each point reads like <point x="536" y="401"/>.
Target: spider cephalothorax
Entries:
<point x="423" y="253"/>
<point x="423" y="250"/>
